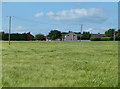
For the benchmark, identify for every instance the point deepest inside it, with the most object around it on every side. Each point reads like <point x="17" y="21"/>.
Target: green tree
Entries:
<point x="39" y="37"/>
<point x="14" y="36"/>
<point x="5" y="36"/>
<point x="118" y="33"/>
<point x="86" y="35"/>
<point x="110" y="33"/>
<point x="55" y="34"/>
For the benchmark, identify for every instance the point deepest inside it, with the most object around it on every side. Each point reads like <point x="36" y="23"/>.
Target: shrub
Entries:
<point x="39" y="37"/>
<point x="95" y="39"/>
<point x="106" y="38"/>
<point x="117" y="38"/>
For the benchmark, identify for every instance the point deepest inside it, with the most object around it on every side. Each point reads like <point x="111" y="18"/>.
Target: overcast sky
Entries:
<point x="41" y="17"/>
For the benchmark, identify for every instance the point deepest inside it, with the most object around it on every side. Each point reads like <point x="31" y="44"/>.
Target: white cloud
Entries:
<point x="20" y="28"/>
<point x="50" y="13"/>
<point x="1" y="30"/>
<point x="93" y="30"/>
<point x="92" y="15"/>
<point x="89" y="30"/>
<point x="39" y="14"/>
<point x="86" y="14"/>
<point x="97" y="30"/>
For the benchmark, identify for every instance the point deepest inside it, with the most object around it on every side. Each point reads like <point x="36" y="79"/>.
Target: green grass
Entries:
<point x="60" y="64"/>
<point x="0" y="64"/>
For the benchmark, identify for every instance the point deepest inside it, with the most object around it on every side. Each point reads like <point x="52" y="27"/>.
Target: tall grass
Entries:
<point x="60" y="64"/>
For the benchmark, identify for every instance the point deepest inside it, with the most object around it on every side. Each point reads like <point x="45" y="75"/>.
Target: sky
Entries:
<point x="42" y="17"/>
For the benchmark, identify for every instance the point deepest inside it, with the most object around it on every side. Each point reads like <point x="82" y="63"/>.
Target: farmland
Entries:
<point x="60" y="64"/>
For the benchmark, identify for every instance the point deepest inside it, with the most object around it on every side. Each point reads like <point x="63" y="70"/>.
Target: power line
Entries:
<point x="26" y="20"/>
<point x="38" y="22"/>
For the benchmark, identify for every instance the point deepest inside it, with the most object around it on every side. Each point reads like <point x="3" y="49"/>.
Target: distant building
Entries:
<point x="48" y="38"/>
<point x="73" y="36"/>
<point x="30" y="36"/>
<point x="97" y="35"/>
<point x="70" y="36"/>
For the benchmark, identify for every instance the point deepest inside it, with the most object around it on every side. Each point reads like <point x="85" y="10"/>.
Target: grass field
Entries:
<point x="60" y="64"/>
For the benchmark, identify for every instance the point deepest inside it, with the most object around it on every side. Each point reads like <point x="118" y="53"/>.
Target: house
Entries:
<point x="71" y="36"/>
<point x="30" y="36"/>
<point x="97" y="35"/>
<point x="47" y="38"/>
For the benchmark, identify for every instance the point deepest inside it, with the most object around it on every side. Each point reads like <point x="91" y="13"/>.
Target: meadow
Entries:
<point x="60" y="64"/>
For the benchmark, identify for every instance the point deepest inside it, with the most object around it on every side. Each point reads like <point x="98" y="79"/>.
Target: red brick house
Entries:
<point x="30" y="36"/>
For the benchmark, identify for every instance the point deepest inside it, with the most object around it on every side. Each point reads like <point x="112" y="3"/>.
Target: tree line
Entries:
<point x="56" y="34"/>
<point x="14" y="36"/>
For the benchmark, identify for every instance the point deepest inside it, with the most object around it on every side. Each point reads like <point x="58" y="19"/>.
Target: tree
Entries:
<point x="55" y="34"/>
<point x="86" y="35"/>
<point x="118" y="33"/>
<point x="1" y="34"/>
<point x="110" y="33"/>
<point x="39" y="37"/>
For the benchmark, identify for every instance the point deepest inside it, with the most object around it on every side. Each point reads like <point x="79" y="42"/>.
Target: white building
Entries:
<point x="71" y="36"/>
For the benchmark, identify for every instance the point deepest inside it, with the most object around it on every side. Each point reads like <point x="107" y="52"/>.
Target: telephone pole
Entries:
<point x="10" y="18"/>
<point x="81" y="31"/>
<point x="114" y="36"/>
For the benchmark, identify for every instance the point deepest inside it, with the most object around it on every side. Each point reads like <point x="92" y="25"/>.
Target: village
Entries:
<point x="55" y="35"/>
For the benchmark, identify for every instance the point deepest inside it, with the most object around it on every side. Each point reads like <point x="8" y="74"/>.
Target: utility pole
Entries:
<point x="81" y="31"/>
<point x="10" y="18"/>
<point x="114" y="36"/>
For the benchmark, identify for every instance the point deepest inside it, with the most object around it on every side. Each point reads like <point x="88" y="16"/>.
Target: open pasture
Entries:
<point x="60" y="64"/>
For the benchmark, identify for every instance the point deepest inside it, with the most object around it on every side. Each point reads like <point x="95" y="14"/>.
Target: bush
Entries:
<point x="101" y="38"/>
<point x="95" y="39"/>
<point x="117" y="38"/>
<point x="39" y="37"/>
<point x="106" y="38"/>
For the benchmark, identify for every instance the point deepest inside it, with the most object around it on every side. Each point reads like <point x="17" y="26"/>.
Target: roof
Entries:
<point x="97" y="35"/>
<point x="79" y="35"/>
<point x="70" y="32"/>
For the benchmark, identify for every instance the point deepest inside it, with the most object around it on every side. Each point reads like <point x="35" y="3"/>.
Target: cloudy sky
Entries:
<point x="41" y="17"/>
